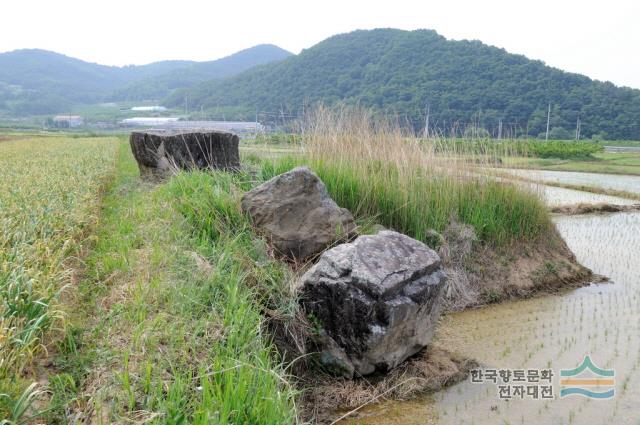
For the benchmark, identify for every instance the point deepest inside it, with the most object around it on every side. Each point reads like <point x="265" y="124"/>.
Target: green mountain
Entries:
<point x="160" y="86"/>
<point x="35" y="82"/>
<point x="462" y="82"/>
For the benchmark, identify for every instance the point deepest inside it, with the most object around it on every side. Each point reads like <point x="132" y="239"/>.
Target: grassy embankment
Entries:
<point x="167" y="327"/>
<point x="385" y="175"/>
<point x="162" y="322"/>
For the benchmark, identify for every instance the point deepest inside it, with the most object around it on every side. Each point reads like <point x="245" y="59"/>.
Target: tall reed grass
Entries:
<point x="377" y="168"/>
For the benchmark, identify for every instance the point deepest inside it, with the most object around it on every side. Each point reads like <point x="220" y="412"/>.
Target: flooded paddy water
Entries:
<point x="601" y="181"/>
<point x="557" y="332"/>
<point x="555" y="196"/>
<point x="559" y="196"/>
<point x="552" y="332"/>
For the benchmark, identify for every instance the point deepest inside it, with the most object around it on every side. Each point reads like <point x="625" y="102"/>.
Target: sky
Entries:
<point x="599" y="39"/>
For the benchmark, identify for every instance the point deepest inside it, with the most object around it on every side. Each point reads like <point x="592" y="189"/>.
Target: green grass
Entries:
<point x="559" y="149"/>
<point x="381" y="172"/>
<point x="605" y="162"/>
<point x="501" y="214"/>
<point x="170" y="309"/>
<point x="563" y="149"/>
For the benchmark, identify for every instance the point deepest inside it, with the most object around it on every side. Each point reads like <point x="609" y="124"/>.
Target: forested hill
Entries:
<point x="404" y="71"/>
<point x="34" y="81"/>
<point x="160" y="86"/>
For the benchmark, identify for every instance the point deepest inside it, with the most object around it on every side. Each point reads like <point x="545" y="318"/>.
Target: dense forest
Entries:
<point x="38" y="82"/>
<point x="460" y="83"/>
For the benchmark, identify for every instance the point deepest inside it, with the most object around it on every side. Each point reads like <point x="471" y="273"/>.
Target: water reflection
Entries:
<point x="557" y="332"/>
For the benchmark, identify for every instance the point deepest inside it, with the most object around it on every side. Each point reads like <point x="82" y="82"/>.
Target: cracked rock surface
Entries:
<point x="158" y="152"/>
<point x="376" y="301"/>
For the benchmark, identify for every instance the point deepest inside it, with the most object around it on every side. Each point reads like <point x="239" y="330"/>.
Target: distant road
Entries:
<point x="622" y="148"/>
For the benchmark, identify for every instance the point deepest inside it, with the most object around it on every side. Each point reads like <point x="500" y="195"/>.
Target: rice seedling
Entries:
<point x="594" y="321"/>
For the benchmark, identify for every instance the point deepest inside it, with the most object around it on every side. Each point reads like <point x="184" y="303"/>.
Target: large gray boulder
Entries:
<point x="297" y="215"/>
<point x="376" y="301"/>
<point x="159" y="152"/>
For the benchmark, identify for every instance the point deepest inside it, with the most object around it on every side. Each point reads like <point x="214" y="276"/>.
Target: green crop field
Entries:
<point x="49" y="200"/>
<point x="602" y="162"/>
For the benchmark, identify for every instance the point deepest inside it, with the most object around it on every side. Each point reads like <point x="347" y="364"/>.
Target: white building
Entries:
<point x="176" y="124"/>
<point x="68" y="121"/>
<point x="149" y="109"/>
<point x="148" y="121"/>
<point x="232" y="126"/>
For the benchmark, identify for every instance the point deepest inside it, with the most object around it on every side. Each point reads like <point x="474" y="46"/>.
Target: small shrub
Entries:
<point x="564" y="150"/>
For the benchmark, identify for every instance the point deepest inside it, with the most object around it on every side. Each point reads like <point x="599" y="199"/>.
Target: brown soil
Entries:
<point x="601" y="207"/>
<point x="329" y="398"/>
<point x="521" y="271"/>
<point x="479" y="274"/>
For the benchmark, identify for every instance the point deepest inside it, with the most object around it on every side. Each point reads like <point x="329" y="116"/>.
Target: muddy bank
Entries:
<point x="601" y="207"/>
<point x="480" y="274"/>
<point x="329" y="399"/>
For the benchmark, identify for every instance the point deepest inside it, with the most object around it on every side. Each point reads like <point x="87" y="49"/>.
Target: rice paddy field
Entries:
<point x="622" y="183"/>
<point x="558" y="196"/>
<point x="49" y="199"/>
<point x="552" y="332"/>
<point x="601" y="321"/>
<point x="625" y="163"/>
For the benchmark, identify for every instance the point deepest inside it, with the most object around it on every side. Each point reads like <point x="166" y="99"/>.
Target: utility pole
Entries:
<point x="256" y="123"/>
<point x="546" y="138"/>
<point x="282" y="114"/>
<point x="426" y="123"/>
<point x="499" y="129"/>
<point x="578" y="129"/>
